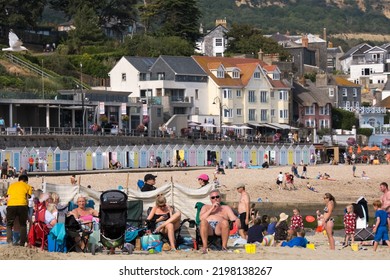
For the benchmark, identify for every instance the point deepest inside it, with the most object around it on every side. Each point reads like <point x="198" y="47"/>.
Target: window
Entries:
<point x="236" y="74"/>
<point x="161" y="76"/>
<point x="218" y="42"/>
<point x="310" y="123"/>
<point x="263" y="96"/>
<point x="239" y="112"/>
<point x="283" y="95"/>
<point x="263" y="115"/>
<point x="219" y="54"/>
<point x="220" y="74"/>
<point x="276" y="76"/>
<point x="357" y="104"/>
<point x="272" y="94"/>
<point x="309" y="110"/>
<point x="252" y="114"/>
<point x="283" y="114"/>
<point x="256" y="75"/>
<point x="238" y="93"/>
<point x="159" y="112"/>
<point x="196" y="94"/>
<point x="123" y="77"/>
<point x="324" y="124"/>
<point x="142" y="76"/>
<point x="344" y="91"/>
<point x="354" y="90"/>
<point x="272" y="112"/>
<point x="251" y="96"/>
<point x="324" y="110"/>
<point x="331" y="92"/>
<point x="228" y="113"/>
<point x="227" y="93"/>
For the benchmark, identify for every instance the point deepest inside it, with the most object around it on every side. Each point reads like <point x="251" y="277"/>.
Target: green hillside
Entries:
<point x="301" y="16"/>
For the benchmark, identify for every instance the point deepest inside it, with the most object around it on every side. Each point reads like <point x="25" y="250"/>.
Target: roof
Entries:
<point x="344" y="82"/>
<point x="361" y="48"/>
<point x="183" y="65"/>
<point x="312" y="39"/>
<point x="246" y="65"/>
<point x="307" y="96"/>
<point x="384" y="103"/>
<point x="142" y="64"/>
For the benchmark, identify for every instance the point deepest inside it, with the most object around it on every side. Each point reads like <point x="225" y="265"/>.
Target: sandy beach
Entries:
<point x="260" y="184"/>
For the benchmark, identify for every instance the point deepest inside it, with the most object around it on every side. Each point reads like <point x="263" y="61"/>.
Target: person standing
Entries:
<point x="354" y="170"/>
<point x="330" y="203"/>
<point x="4" y="169"/>
<point x="30" y="164"/>
<point x="243" y="210"/>
<point x="151" y="161"/>
<point x="385" y="198"/>
<point x="382" y="225"/>
<point x="17" y="207"/>
<point x="230" y="161"/>
<point x="349" y="225"/>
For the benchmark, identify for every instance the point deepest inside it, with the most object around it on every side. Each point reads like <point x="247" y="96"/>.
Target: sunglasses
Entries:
<point x="214" y="197"/>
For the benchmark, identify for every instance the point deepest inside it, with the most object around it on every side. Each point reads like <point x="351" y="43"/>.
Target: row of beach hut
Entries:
<point x="98" y="158"/>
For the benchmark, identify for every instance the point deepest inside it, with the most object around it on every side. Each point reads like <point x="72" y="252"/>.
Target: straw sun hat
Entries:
<point x="283" y="217"/>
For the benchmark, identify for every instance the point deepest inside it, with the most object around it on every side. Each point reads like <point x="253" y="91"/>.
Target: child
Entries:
<point x="296" y="220"/>
<point x="349" y="225"/>
<point x="281" y="228"/>
<point x="304" y="171"/>
<point x="299" y="240"/>
<point x="320" y="221"/>
<point x="382" y="222"/>
<point x="272" y="225"/>
<point x="216" y="181"/>
<point x="279" y="180"/>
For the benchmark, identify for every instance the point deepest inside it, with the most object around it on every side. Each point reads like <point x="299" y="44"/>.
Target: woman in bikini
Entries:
<point x="166" y="220"/>
<point x="330" y="203"/>
<point x="83" y="214"/>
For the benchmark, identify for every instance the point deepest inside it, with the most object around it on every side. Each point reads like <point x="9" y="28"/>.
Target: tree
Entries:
<point x="20" y="13"/>
<point x="117" y="13"/>
<point x="87" y="32"/>
<point x="342" y="119"/>
<point x="149" y="46"/>
<point x="179" y="18"/>
<point x="245" y="39"/>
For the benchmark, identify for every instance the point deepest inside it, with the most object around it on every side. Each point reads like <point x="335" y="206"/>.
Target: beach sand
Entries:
<point x="260" y="184"/>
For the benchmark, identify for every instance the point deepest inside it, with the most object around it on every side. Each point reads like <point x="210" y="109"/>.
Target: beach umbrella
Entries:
<point x="207" y="125"/>
<point x="366" y="148"/>
<point x="375" y="148"/>
<point x="386" y="142"/>
<point x="244" y="127"/>
<point x="359" y="150"/>
<point x="350" y="150"/>
<point x="351" y="141"/>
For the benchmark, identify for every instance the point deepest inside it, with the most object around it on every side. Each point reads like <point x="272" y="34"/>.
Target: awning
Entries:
<point x="283" y="126"/>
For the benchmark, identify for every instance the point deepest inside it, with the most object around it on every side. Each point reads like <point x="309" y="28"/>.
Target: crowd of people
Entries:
<point x="216" y="218"/>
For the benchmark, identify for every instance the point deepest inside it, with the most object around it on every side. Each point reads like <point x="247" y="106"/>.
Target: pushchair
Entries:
<point x="363" y="232"/>
<point x="113" y="216"/>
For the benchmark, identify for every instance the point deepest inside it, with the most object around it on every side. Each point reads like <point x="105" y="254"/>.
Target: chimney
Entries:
<point x="305" y="41"/>
<point x="321" y="80"/>
<point x="260" y="55"/>
<point x="324" y="34"/>
<point x="330" y="44"/>
<point x="221" y="22"/>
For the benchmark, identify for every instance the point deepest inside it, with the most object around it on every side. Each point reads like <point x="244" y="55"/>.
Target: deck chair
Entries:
<point x="214" y="241"/>
<point x="77" y="236"/>
<point x="150" y="225"/>
<point x="37" y="235"/>
<point x="363" y="232"/>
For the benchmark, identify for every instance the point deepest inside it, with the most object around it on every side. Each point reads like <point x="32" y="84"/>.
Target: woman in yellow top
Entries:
<point x="17" y="206"/>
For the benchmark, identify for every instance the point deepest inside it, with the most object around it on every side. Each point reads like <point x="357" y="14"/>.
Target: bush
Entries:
<point x="364" y="131"/>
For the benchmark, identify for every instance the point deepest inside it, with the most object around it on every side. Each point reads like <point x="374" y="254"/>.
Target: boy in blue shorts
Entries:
<point x="381" y="225"/>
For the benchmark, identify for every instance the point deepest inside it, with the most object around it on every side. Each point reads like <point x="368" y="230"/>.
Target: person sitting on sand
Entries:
<point x="364" y="175"/>
<point x="298" y="241"/>
<point x="214" y="219"/>
<point x="309" y="187"/>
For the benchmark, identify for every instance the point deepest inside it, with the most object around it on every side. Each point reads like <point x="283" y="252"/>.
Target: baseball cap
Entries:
<point x="149" y="177"/>
<point x="203" y="177"/>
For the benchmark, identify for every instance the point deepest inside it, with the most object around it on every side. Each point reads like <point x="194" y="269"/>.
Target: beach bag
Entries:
<point x="151" y="241"/>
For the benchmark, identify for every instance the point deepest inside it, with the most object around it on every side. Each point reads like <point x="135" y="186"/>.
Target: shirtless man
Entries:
<point x="214" y="219"/>
<point x="243" y="210"/>
<point x="385" y="198"/>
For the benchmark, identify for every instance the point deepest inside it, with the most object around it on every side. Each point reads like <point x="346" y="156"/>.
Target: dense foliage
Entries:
<point x="297" y="17"/>
<point x="342" y="119"/>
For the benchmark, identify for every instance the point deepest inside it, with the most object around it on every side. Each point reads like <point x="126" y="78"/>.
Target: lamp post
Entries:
<point x="217" y="99"/>
<point x="82" y="99"/>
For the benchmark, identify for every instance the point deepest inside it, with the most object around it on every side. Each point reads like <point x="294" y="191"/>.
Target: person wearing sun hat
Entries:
<point x="149" y="180"/>
<point x="203" y="180"/>
<point x="281" y="227"/>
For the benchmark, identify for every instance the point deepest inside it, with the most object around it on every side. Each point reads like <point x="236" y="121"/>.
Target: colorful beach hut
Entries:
<point x="200" y="156"/>
<point x="192" y="156"/>
<point x="283" y="155"/>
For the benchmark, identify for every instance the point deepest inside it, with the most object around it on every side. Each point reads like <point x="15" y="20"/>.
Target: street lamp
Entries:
<point x="82" y="98"/>
<point x="217" y="99"/>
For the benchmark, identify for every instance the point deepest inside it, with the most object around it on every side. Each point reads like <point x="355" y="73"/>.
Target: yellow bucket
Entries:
<point x="355" y="247"/>
<point x="250" y="248"/>
<point x="311" y="246"/>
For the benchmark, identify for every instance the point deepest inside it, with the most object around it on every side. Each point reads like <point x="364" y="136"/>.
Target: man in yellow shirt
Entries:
<point x="17" y="207"/>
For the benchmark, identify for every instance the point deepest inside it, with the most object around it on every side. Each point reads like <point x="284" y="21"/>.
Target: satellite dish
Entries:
<point x="15" y="44"/>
